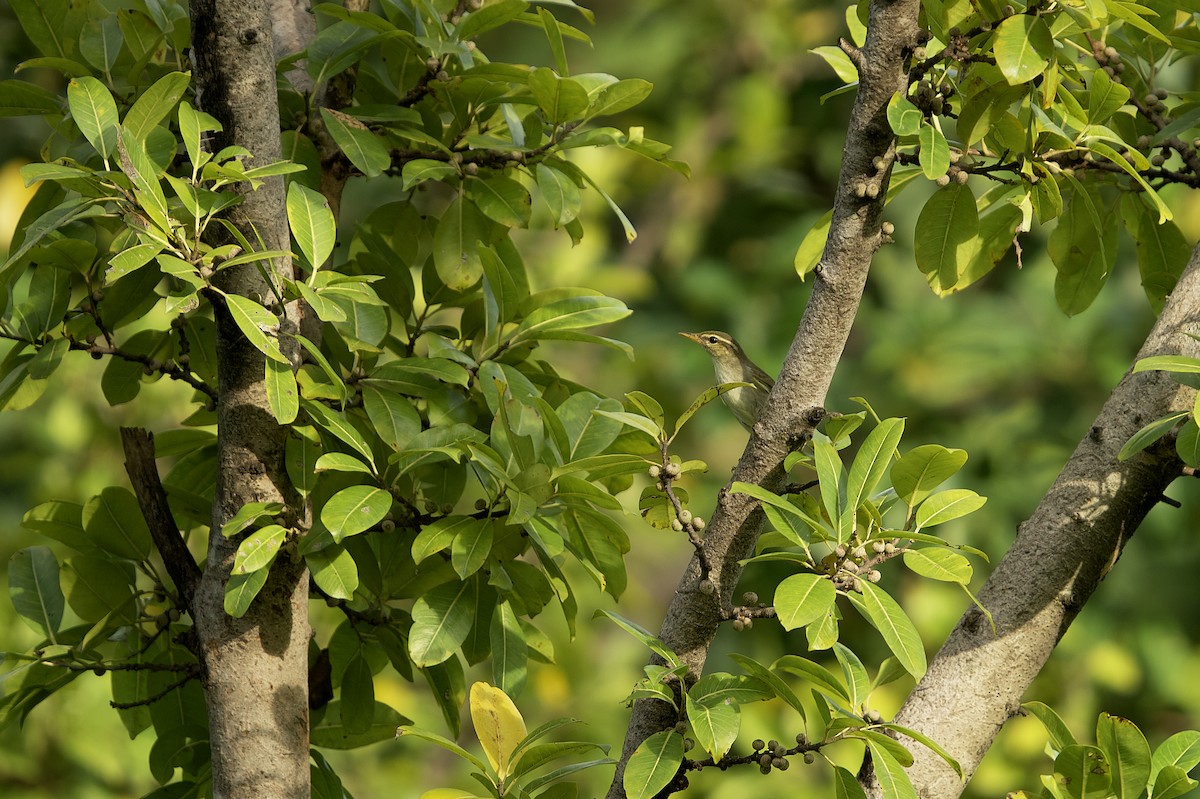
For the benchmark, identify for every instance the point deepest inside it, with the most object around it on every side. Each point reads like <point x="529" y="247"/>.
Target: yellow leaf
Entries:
<point x="498" y="724"/>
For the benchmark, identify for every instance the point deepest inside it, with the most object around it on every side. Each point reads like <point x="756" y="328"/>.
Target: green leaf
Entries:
<point x="358" y="696"/>
<point x="1127" y="753"/>
<point x="1082" y="247"/>
<point x="282" y="396"/>
<point x="904" y="117"/>
<point x="886" y="616"/>
<point x="570" y="313"/>
<point x="1180" y="364"/>
<point x="456" y="242"/>
<point x="329" y="732"/>
<point x="1187" y="443"/>
<point x="947" y="235"/>
<point x="653" y="765"/>
<point x="143" y="173"/>
<point x="1060" y="734"/>
<point x="311" y="222"/>
<point x="846" y="786"/>
<point x="939" y="564"/>
<point x="1023" y="46"/>
<point x="510" y="654"/>
<point x="808" y="254"/>
<point x="442" y="619"/>
<point x="364" y="149"/>
<point x="1162" y="250"/>
<point x="95" y="112"/>
<point x="1170" y="782"/>
<point x="1082" y="772"/>
<point x="946" y="505"/>
<point x="893" y="781"/>
<point x="354" y="510"/>
<point x="559" y="192"/>
<point x="801" y="599"/>
<point x="19" y="98"/>
<point x="419" y="170"/>
<point x="248" y="514"/>
<point x="715" y="725"/>
<point x="934" y="154"/>
<point x="1150" y="433"/>
<point x="113" y="519"/>
<point x="470" y="548"/>
<point x="1105" y="96"/>
<point x="562" y="99"/>
<point x="620" y="96"/>
<point x="829" y="475"/>
<point x="821" y="677"/>
<point x="258" y="550"/>
<point x="34" y="587"/>
<point x="873" y="458"/>
<point x="490" y="16"/>
<point x="257" y="324"/>
<point x="1181" y="750"/>
<point x="241" y="590"/>
<point x="393" y="417"/>
<point x="153" y="105"/>
<point x="334" y="571"/>
<point x="502" y="200"/>
<point x="918" y="472"/>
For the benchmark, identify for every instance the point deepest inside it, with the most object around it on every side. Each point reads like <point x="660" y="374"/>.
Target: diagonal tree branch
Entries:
<point x="795" y="404"/>
<point x="975" y="683"/>
<point x="143" y="474"/>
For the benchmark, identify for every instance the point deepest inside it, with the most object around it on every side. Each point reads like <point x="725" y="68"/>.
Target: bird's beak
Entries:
<point x="693" y="336"/>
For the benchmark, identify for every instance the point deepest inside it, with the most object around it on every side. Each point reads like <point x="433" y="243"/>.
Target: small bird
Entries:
<point x="732" y="365"/>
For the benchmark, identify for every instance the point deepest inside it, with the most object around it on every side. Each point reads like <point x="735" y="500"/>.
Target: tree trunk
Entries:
<point x="255" y="666"/>
<point x="975" y="683"/>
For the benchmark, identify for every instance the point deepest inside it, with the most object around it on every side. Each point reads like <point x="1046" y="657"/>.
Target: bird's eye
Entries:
<point x="712" y="339"/>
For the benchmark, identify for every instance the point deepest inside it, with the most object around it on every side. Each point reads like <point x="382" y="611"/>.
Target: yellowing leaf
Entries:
<point x="498" y="724"/>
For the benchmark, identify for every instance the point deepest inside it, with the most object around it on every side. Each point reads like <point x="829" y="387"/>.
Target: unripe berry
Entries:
<point x="685" y="516"/>
<point x="874" y="575"/>
<point x="943" y="180"/>
<point x="672" y="470"/>
<point x="780" y="763"/>
<point x="757" y="744"/>
<point x="739" y="625"/>
<point x="697" y="523"/>
<point x="1160" y="93"/>
<point x="706" y="586"/>
<point x="749" y="598"/>
<point x="887" y="228"/>
<point x="443" y="75"/>
<point x="655" y="471"/>
<point x="388" y="525"/>
<point x="677" y="525"/>
<point x="961" y="177"/>
<point x="810" y="758"/>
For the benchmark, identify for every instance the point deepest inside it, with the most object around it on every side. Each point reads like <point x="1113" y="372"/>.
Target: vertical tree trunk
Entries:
<point x="256" y="666"/>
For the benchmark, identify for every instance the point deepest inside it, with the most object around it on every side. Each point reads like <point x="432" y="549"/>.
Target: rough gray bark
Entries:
<point x="255" y="678"/>
<point x="975" y="683"/>
<point x="794" y="406"/>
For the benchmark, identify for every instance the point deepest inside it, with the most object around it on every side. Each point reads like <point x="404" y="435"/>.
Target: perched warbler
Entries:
<point x="732" y="365"/>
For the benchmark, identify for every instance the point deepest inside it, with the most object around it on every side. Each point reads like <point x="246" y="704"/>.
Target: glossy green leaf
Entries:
<point x="456" y="242"/>
<point x="893" y="781"/>
<point x="442" y="619"/>
<point x="311" y="222"/>
<point x="1083" y="248"/>
<point x="1082" y="772"/>
<point x="1023" y="46"/>
<point x="154" y="104"/>
<point x="934" y="154"/>
<point x="904" y="117"/>
<point x="241" y="590"/>
<point x="258" y="550"/>
<point x="1060" y="734"/>
<point x="364" y="149"/>
<point x="113" y="519"/>
<point x="939" y="564"/>
<point x="653" y="765"/>
<point x="335" y="422"/>
<point x="802" y="599"/>
<point x="947" y="234"/>
<point x="1150" y="433"/>
<point x="329" y="732"/>
<point x="334" y="571"/>
<point x="1181" y="750"/>
<point x="95" y="112"/>
<point x="282" y="395"/>
<point x="502" y="200"/>
<point x="354" y="510"/>
<point x="562" y="99"/>
<point x="257" y="324"/>
<point x="947" y="505"/>
<point x="34" y="588"/>
<point x="1170" y="782"/>
<point x="559" y="193"/>
<point x="919" y="471"/>
<point x="874" y="456"/>
<point x="358" y="696"/>
<point x="715" y="725"/>
<point x="510" y="653"/>
<point x="20" y="98"/>
<point x="1127" y="753"/>
<point x="886" y="616"/>
<point x="620" y="96"/>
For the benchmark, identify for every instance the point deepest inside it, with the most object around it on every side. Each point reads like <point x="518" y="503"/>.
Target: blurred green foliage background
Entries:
<point x="996" y="370"/>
